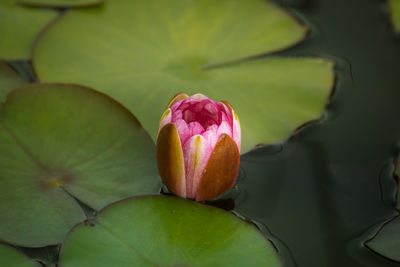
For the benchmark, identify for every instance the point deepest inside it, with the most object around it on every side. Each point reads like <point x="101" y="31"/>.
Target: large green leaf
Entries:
<point x="394" y="8"/>
<point x="63" y="141"/>
<point x="60" y="3"/>
<point x="166" y="231"/>
<point x="387" y="241"/>
<point x="10" y="257"/>
<point x="19" y="27"/>
<point x="143" y="52"/>
<point x="9" y="79"/>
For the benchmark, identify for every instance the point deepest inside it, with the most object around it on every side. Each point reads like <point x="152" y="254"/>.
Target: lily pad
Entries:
<point x="19" y="27"/>
<point x="9" y="79"/>
<point x="394" y="8"/>
<point x="60" y="142"/>
<point x="387" y="241"/>
<point x="60" y="3"/>
<point x="11" y="257"/>
<point x="144" y="52"/>
<point x="166" y="231"/>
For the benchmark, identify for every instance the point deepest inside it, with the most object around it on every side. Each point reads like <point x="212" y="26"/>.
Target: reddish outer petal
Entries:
<point x="221" y="170"/>
<point x="176" y="98"/>
<point x="170" y="160"/>
<point x="226" y="110"/>
<point x="230" y="108"/>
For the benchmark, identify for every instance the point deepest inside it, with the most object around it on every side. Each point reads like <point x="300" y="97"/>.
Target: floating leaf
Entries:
<point x="63" y="141"/>
<point x="166" y="231"/>
<point x="394" y="8"/>
<point x="12" y="258"/>
<point x="387" y="241"/>
<point x="9" y="79"/>
<point x="143" y="52"/>
<point x="61" y="3"/>
<point x="19" y="27"/>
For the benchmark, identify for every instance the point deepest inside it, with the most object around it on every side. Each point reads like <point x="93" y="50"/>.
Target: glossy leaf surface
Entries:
<point x="166" y="231"/>
<point x="60" y="142"/>
<point x="144" y="52"/>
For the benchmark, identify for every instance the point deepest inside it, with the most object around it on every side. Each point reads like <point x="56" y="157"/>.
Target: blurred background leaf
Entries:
<point x="394" y="8"/>
<point x="60" y="3"/>
<point x="9" y="79"/>
<point x="19" y="27"/>
<point x="11" y="257"/>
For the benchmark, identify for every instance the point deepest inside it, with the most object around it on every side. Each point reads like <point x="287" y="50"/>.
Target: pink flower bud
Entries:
<point x="198" y="147"/>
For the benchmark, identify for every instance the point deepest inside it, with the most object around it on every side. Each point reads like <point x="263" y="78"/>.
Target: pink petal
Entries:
<point x="189" y="115"/>
<point x="177" y="98"/>
<point x="183" y="130"/>
<point x="225" y="111"/>
<point x="211" y="108"/>
<point x="196" y="153"/>
<point x="177" y="104"/>
<point x="206" y="112"/>
<point x="192" y="111"/>
<point x="224" y="128"/>
<point x="195" y="128"/>
<point x="176" y="115"/>
<point x="211" y="135"/>
<point x="236" y="132"/>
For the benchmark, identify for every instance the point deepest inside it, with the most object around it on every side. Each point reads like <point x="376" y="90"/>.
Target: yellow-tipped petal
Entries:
<point x="227" y="105"/>
<point x="221" y="171"/>
<point x="170" y="160"/>
<point x="196" y="152"/>
<point x="176" y="98"/>
<point x="236" y="131"/>
<point x="165" y="118"/>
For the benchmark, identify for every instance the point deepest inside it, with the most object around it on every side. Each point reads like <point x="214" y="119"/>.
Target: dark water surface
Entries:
<point x="325" y="191"/>
<point x="331" y="186"/>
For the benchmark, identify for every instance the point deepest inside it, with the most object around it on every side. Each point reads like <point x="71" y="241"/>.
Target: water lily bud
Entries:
<point x="198" y="147"/>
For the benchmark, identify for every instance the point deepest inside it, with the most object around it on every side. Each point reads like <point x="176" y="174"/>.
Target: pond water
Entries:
<point x="326" y="190"/>
<point x="329" y="188"/>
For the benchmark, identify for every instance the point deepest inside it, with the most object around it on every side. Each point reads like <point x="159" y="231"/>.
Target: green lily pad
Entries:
<point x="9" y="79"/>
<point x="19" y="27"/>
<point x="60" y="142"/>
<point x="11" y="257"/>
<point x="166" y="231"/>
<point x="394" y="8"/>
<point x="61" y="3"/>
<point x="387" y="241"/>
<point x="144" y="52"/>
